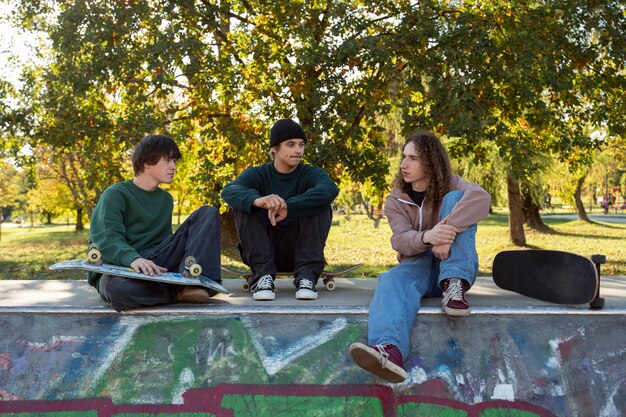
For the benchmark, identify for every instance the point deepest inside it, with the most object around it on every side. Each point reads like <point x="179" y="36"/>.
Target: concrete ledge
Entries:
<point x="352" y="296"/>
<point x="64" y="351"/>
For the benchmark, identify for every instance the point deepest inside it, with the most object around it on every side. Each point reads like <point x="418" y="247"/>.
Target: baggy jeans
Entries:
<point x="400" y="290"/>
<point x="294" y="244"/>
<point x="198" y="236"/>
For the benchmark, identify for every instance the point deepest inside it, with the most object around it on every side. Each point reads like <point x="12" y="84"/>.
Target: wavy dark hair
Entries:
<point x="436" y="164"/>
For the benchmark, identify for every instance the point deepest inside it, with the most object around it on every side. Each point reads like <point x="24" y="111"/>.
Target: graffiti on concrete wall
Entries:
<point x="289" y="401"/>
<point x="243" y="365"/>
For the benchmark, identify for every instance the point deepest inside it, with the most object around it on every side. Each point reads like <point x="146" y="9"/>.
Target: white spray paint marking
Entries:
<point x="610" y="409"/>
<point x="444" y="372"/>
<point x="55" y="342"/>
<point x="185" y="381"/>
<point x="460" y="380"/>
<point x="130" y="326"/>
<point x="501" y="377"/>
<point x="510" y="377"/>
<point x="503" y="392"/>
<point x="554" y="361"/>
<point x="417" y="375"/>
<point x="275" y="363"/>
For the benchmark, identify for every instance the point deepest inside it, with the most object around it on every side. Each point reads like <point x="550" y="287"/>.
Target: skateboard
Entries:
<point x="549" y="275"/>
<point x="191" y="276"/>
<point x="328" y="277"/>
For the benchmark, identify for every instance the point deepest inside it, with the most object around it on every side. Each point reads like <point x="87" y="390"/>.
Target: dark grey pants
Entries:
<point x="198" y="236"/>
<point x="294" y="244"/>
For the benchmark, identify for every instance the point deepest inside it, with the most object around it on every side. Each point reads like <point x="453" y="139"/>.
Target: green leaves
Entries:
<point x="529" y="78"/>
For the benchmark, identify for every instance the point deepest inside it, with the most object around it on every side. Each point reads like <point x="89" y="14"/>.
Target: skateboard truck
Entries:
<point x="598" y="302"/>
<point x="192" y="268"/>
<point x="327" y="276"/>
<point x="93" y="254"/>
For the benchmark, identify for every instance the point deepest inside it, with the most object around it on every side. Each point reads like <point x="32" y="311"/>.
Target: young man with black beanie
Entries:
<point x="283" y="215"/>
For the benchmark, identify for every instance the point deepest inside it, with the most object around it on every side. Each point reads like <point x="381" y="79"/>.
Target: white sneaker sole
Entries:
<point x="264" y="295"/>
<point x="306" y="295"/>
<point x="455" y="312"/>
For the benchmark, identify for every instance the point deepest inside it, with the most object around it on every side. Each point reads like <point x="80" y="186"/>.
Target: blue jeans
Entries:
<point x="400" y="290"/>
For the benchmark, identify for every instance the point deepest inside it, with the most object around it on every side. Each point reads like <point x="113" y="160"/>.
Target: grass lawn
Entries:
<point x="26" y="253"/>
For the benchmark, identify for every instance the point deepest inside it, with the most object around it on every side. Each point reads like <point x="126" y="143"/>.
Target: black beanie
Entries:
<point x="285" y="129"/>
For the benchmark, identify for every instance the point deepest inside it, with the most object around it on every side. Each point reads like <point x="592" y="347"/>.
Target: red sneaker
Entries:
<point x="384" y="361"/>
<point x="454" y="303"/>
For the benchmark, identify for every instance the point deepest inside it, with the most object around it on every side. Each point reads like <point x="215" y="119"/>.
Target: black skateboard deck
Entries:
<point x="328" y="277"/>
<point x="549" y="275"/>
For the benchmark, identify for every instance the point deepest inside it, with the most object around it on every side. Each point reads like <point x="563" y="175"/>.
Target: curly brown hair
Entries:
<point x="436" y="164"/>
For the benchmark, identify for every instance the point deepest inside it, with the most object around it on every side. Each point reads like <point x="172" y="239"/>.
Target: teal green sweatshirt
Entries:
<point x="308" y="190"/>
<point x="128" y="219"/>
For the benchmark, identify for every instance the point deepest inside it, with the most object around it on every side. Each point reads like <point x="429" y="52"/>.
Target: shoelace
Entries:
<point x="384" y="355"/>
<point x="305" y="284"/>
<point x="264" y="283"/>
<point x="454" y="292"/>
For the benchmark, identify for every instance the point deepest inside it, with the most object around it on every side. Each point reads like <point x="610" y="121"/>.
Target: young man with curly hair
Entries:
<point x="433" y="215"/>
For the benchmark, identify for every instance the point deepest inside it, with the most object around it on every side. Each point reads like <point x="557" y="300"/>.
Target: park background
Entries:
<point x="528" y="96"/>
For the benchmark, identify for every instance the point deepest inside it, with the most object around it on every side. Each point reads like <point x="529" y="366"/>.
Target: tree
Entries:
<point x="530" y="78"/>
<point x="519" y="74"/>
<point x="217" y="74"/>
<point x="51" y="197"/>
<point x="13" y="186"/>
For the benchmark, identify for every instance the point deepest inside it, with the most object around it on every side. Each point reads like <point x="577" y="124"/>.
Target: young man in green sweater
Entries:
<point x="132" y="226"/>
<point x="283" y="215"/>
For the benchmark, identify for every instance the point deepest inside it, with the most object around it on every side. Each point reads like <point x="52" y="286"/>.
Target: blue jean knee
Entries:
<point x="463" y="260"/>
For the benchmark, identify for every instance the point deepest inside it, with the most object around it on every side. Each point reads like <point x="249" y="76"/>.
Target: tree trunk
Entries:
<point x="580" y="208"/>
<point x="531" y="213"/>
<point x="229" y="230"/>
<point x="516" y="213"/>
<point x="374" y="213"/>
<point x="79" y="219"/>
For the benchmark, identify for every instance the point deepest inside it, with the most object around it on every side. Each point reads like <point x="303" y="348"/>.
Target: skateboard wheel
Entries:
<point x="189" y="261"/>
<point x="245" y="286"/>
<point x="93" y="246"/>
<point x="597" y="304"/>
<point x="94" y="256"/>
<point x="195" y="270"/>
<point x="598" y="259"/>
<point x="330" y="285"/>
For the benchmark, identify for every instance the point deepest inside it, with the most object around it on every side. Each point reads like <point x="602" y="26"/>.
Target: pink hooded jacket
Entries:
<point x="408" y="221"/>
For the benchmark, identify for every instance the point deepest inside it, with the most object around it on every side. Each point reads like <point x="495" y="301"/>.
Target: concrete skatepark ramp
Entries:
<point x="63" y="353"/>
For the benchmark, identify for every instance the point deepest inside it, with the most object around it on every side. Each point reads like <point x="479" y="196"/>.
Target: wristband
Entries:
<point x="422" y="239"/>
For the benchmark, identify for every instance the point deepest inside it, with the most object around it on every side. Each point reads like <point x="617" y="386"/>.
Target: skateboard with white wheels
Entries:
<point x="327" y="276"/>
<point x="191" y="276"/>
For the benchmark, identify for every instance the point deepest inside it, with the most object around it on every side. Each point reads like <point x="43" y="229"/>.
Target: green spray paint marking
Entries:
<point x="288" y="406"/>
<point x="429" y="410"/>
<point x="171" y="356"/>
<point x="53" y="414"/>
<point x="164" y="415"/>
<point x="503" y="412"/>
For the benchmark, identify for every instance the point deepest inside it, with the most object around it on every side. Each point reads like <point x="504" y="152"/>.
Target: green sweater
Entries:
<point x="128" y="219"/>
<point x="308" y="190"/>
